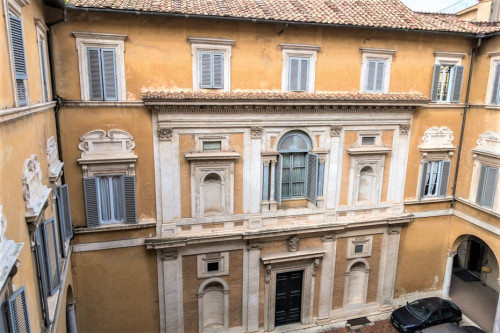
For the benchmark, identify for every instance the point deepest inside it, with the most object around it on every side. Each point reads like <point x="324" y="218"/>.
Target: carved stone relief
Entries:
<point x="55" y="165"/>
<point x="165" y="134"/>
<point x="9" y="250"/>
<point x="255" y="132"/>
<point x="335" y="130"/>
<point x="293" y="244"/>
<point x="438" y="137"/>
<point x="404" y="129"/>
<point x="115" y="143"/>
<point x="34" y="192"/>
<point x="489" y="142"/>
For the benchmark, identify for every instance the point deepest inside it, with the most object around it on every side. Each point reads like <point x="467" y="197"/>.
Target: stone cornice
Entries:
<point x="17" y="113"/>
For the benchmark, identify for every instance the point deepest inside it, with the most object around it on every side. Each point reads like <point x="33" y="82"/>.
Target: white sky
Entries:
<point x="428" y="5"/>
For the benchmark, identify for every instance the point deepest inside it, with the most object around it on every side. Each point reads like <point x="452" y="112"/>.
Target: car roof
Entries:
<point x="434" y="303"/>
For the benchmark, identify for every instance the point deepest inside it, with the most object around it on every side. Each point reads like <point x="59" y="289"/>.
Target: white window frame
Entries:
<point x="41" y="30"/>
<point x="299" y="51"/>
<point x="217" y="45"/>
<point x="365" y="241"/>
<point x="494" y="62"/>
<point x="448" y="59"/>
<point x="384" y="55"/>
<point x="116" y="42"/>
<point x="203" y="259"/>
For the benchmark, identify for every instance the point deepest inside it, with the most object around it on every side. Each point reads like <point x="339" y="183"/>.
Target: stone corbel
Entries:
<point x="404" y="129"/>
<point x="315" y="267"/>
<point x="269" y="268"/>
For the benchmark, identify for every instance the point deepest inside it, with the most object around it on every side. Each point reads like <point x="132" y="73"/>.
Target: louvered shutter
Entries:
<point x="4" y="321"/>
<point x="17" y="308"/>
<point x="17" y="38"/>
<point x="456" y="89"/>
<point x="480" y="185"/>
<point x="490" y="185"/>
<point x="279" y="173"/>
<point x="108" y="66"/>
<point x="370" y="75"/>
<point x="95" y="79"/>
<point x="91" y="201"/>
<point x="293" y="77"/>
<point x="445" y="175"/>
<point x="312" y="177"/>
<point x="321" y="178"/>
<point x="21" y="92"/>
<point x="304" y="75"/>
<point x="494" y="93"/>
<point x="379" y="77"/>
<point x="44" y="72"/>
<point x="435" y="82"/>
<point x="218" y="70"/>
<point x="205" y="70"/>
<point x="64" y="211"/>
<point x="423" y="175"/>
<point x="130" y="202"/>
<point x="51" y="255"/>
<point x="42" y="274"/>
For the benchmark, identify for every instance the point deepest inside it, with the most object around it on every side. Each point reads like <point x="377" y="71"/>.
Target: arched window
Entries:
<point x="213" y="305"/>
<point x="297" y="172"/>
<point x="366" y="181"/>
<point x="212" y="194"/>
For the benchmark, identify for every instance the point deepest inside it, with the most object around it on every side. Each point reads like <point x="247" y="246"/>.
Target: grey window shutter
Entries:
<point x="94" y="68"/>
<point x="480" y="185"/>
<point x="64" y="211"/>
<point x="304" y="75"/>
<point x="205" y="70"/>
<point x="445" y="175"/>
<point x="17" y="308"/>
<point x="130" y="202"/>
<point x="51" y="255"/>
<point x="4" y="322"/>
<point x="370" y="76"/>
<point x="42" y="274"/>
<point x="17" y="39"/>
<point x="435" y="82"/>
<point x="379" y="78"/>
<point x="456" y="90"/>
<point x="91" y="201"/>
<point x="44" y="72"/>
<point x="490" y="185"/>
<point x="312" y="177"/>
<point x="494" y="93"/>
<point x="21" y="92"/>
<point x="293" y="75"/>
<point x="218" y="71"/>
<point x="423" y="167"/>
<point x="279" y="173"/>
<point x="108" y="66"/>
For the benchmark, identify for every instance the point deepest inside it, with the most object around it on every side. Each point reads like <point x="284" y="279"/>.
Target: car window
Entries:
<point x="434" y="316"/>
<point x="418" y="310"/>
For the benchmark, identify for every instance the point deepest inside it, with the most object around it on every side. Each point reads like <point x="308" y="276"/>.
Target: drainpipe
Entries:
<point x="464" y="118"/>
<point x="53" y="84"/>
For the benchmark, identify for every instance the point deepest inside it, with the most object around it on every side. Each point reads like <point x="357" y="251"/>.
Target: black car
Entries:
<point x="425" y="312"/>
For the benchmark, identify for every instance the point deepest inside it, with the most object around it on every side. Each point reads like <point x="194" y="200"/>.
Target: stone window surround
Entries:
<point x="494" y="61"/>
<point x="201" y="293"/>
<point x="101" y="40"/>
<point x="448" y="58"/>
<point x="366" y="270"/>
<point x="366" y="241"/>
<point x="298" y="50"/>
<point x="485" y="153"/>
<point x="41" y="31"/>
<point x="203" y="259"/>
<point x="201" y="44"/>
<point x="376" y="54"/>
<point x="307" y="261"/>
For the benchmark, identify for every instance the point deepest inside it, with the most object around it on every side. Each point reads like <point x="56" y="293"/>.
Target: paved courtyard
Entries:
<point x="383" y="326"/>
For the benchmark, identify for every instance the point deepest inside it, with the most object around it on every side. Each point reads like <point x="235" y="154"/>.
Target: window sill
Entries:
<point x="114" y="227"/>
<point x="478" y="207"/>
<point x="492" y="106"/>
<point x="427" y="200"/>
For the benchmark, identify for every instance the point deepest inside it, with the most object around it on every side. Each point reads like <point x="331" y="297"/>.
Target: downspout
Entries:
<point x="54" y="86"/>
<point x="464" y="118"/>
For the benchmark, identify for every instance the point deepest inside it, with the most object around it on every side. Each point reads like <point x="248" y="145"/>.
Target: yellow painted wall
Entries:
<point x="67" y="298"/>
<point x="137" y="121"/>
<point x="116" y="290"/>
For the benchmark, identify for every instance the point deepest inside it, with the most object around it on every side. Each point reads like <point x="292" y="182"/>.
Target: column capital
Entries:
<point x="165" y="134"/>
<point x="254" y="247"/>
<point x="404" y="128"/>
<point x="335" y="130"/>
<point x="451" y="254"/>
<point x="255" y="132"/>
<point x="328" y="238"/>
<point x="168" y="254"/>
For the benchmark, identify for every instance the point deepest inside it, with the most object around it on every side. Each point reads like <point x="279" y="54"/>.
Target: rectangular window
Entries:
<point x="211" y="145"/>
<point x="368" y="140"/>
<point x="434" y="181"/>
<point x="293" y="175"/>
<point x="495" y="99"/>
<point x="110" y="199"/>
<point x="102" y="74"/>
<point x="488" y="178"/>
<point x="43" y="69"/>
<point x="447" y="83"/>
<point x="298" y="74"/>
<point x="375" y="71"/>
<point x="213" y="266"/>
<point x="211" y="70"/>
<point x="19" y="56"/>
<point x="358" y="248"/>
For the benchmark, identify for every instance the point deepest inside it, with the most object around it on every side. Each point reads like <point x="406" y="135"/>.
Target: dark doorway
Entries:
<point x="476" y="256"/>
<point x="288" y="297"/>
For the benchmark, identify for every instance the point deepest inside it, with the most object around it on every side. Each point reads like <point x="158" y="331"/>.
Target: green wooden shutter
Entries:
<point x="304" y="75"/>
<point x="494" y="93"/>
<point x="91" y="202"/>
<point x="130" y="201"/>
<point x="445" y="175"/>
<point x="51" y="253"/>
<point x="218" y="71"/>
<point x="205" y="70"/>
<point x="44" y="72"/>
<point x="312" y="177"/>
<point x="480" y="185"/>
<point x="293" y="74"/>
<point x="456" y="89"/>
<point x="423" y="175"/>
<point x="95" y="79"/>
<point x="108" y="59"/>
<point x="17" y="308"/>
<point x="435" y="82"/>
<point x="490" y="185"/>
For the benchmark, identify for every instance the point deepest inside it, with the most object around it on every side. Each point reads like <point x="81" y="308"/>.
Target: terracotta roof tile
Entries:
<point x="365" y="13"/>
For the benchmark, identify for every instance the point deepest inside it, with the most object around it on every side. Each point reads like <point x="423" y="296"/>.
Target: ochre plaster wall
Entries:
<point x="191" y="284"/>
<point x="67" y="298"/>
<point x="127" y="302"/>
<point x="137" y="121"/>
<point x="349" y="139"/>
<point x="422" y="255"/>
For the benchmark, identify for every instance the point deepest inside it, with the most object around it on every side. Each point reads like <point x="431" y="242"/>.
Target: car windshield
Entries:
<point x="418" y="310"/>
